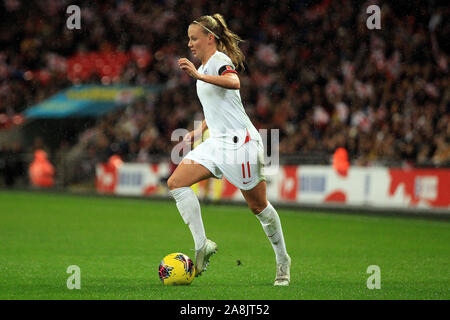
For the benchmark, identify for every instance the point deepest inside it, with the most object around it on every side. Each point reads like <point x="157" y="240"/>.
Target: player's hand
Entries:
<point x="188" y="67"/>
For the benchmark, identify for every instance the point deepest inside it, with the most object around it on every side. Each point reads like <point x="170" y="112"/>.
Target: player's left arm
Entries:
<point x="227" y="79"/>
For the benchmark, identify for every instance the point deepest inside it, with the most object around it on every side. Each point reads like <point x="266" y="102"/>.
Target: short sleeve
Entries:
<point x="224" y="65"/>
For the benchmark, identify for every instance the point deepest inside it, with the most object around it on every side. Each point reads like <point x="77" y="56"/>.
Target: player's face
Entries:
<point x="198" y="40"/>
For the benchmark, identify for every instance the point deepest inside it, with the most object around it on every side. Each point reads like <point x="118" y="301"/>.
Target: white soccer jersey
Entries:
<point x="224" y="113"/>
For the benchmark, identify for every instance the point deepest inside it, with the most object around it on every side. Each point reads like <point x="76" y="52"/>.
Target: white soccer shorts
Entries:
<point x="243" y="167"/>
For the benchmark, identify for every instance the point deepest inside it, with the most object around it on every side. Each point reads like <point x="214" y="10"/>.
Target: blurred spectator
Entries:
<point x="340" y="162"/>
<point x="41" y="170"/>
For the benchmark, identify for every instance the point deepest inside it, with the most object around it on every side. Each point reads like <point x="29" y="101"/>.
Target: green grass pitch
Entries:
<point x="118" y="244"/>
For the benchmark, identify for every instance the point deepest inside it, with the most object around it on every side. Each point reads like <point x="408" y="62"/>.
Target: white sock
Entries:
<point x="271" y="224"/>
<point x="189" y="208"/>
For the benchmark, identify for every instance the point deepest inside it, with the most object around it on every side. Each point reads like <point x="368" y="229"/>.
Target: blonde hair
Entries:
<point x="227" y="40"/>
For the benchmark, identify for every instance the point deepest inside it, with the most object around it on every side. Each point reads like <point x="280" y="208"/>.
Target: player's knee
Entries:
<point x="172" y="183"/>
<point x="257" y="207"/>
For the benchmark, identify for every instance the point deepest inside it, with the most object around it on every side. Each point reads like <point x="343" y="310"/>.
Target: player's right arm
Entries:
<point x="227" y="77"/>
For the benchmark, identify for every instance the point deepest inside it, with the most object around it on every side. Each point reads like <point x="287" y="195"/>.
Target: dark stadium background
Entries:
<point x="314" y="71"/>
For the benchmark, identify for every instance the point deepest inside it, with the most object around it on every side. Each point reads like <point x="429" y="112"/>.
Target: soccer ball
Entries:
<point x="176" y="269"/>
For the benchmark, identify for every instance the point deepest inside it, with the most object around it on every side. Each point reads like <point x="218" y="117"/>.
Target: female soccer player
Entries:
<point x="234" y="149"/>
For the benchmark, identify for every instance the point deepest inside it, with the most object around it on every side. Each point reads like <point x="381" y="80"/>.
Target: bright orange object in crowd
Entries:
<point x="340" y="161"/>
<point x="41" y="170"/>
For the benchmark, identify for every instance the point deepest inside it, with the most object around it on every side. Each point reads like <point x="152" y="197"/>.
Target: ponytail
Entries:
<point x="227" y="40"/>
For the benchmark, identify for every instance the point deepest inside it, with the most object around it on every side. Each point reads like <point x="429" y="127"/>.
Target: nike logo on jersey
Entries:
<point x="246" y="182"/>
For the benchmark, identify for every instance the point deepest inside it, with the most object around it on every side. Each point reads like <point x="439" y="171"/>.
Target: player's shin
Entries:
<point x="271" y="224"/>
<point x="189" y="208"/>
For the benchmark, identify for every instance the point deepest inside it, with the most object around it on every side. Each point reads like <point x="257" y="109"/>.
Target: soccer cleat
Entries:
<point x="283" y="273"/>
<point x="202" y="256"/>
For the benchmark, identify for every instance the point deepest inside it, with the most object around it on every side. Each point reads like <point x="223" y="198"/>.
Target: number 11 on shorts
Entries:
<point x="243" y="169"/>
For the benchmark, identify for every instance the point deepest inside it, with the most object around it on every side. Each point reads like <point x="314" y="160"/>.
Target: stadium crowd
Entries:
<point x="314" y="71"/>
